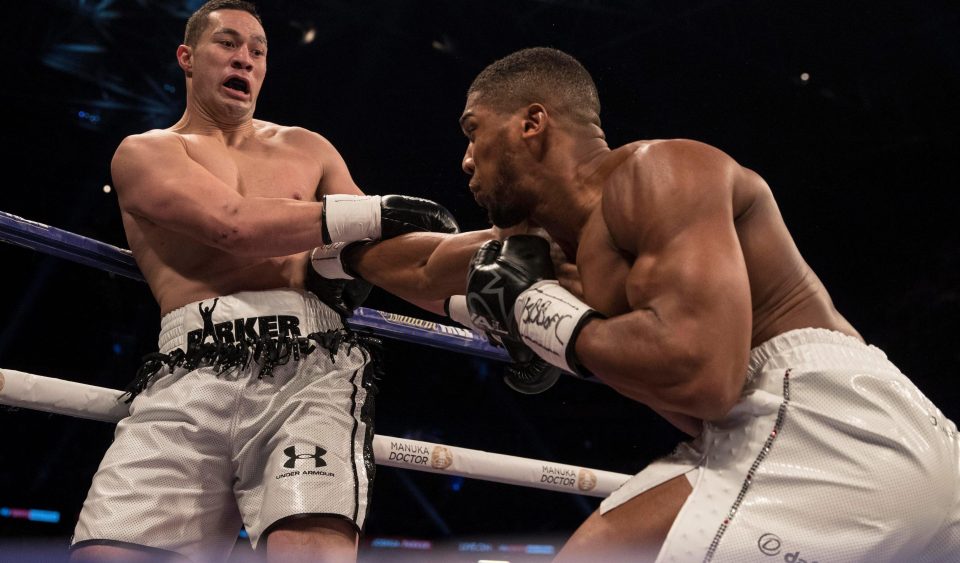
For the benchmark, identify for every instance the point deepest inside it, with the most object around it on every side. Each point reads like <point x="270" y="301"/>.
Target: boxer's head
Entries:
<point x="538" y="75"/>
<point x="510" y="107"/>
<point x="224" y="58"/>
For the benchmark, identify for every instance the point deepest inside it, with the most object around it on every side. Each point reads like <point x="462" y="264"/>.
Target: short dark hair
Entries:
<point x="538" y="74"/>
<point x="198" y="20"/>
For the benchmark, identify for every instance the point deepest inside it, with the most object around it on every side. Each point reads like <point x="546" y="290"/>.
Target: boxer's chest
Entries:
<point x="260" y="169"/>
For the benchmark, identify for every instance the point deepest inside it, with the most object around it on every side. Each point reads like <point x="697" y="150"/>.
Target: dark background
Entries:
<point x="861" y="156"/>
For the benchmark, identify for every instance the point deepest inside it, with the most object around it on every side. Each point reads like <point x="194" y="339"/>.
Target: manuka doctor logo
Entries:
<point x="300" y="456"/>
<point x="556" y="475"/>
<point x="415" y="454"/>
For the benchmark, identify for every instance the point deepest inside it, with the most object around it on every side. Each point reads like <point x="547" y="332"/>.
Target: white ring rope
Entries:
<point x="48" y="394"/>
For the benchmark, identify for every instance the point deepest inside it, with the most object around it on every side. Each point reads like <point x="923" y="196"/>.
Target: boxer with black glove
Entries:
<point x="328" y="278"/>
<point x="349" y="218"/>
<point x="351" y="221"/>
<point x="512" y="293"/>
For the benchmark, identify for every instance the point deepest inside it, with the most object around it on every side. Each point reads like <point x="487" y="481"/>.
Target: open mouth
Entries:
<point x="238" y="84"/>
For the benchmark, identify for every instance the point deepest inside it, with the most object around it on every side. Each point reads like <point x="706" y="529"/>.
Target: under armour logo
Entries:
<point x="294" y="456"/>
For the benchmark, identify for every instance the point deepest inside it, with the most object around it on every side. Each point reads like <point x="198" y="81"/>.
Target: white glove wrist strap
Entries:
<point x="548" y="317"/>
<point x="349" y="218"/>
<point x="457" y="311"/>
<point x="326" y="261"/>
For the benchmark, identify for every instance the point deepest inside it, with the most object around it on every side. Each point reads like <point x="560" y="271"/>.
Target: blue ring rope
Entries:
<point x="90" y="252"/>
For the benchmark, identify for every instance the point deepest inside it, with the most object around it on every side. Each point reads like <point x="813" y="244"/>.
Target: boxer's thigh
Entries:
<point x="633" y="531"/>
<point x="165" y="482"/>
<point x="308" y="446"/>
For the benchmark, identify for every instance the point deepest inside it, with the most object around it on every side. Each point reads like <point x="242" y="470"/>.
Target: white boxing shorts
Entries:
<point x="217" y="441"/>
<point x="831" y="454"/>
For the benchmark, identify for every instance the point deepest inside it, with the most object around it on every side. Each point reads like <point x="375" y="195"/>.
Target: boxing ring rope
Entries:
<point x="89" y="252"/>
<point x="24" y="390"/>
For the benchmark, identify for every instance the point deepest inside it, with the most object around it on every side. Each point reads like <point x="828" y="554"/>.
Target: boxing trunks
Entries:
<point x="831" y="454"/>
<point x="258" y="407"/>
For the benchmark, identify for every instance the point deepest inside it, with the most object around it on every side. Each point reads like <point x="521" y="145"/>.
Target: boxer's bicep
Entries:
<point x="696" y="287"/>
<point x="690" y="270"/>
<point x="683" y="346"/>
<point x="156" y="180"/>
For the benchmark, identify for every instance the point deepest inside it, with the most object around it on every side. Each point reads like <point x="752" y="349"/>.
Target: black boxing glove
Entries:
<point x="348" y="218"/>
<point x="329" y="279"/>
<point x="511" y="292"/>
<point x="528" y="374"/>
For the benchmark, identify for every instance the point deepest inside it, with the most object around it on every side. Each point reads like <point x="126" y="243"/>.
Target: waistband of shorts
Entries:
<point x="813" y="345"/>
<point x="275" y="312"/>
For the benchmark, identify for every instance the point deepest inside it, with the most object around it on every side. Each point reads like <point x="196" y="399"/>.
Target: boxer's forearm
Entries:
<point x="419" y="267"/>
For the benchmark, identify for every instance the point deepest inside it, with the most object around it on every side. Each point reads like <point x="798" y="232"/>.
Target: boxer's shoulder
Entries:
<point x="144" y="150"/>
<point x="674" y="155"/>
<point x="299" y="138"/>
<point x="153" y="138"/>
<point x="652" y="172"/>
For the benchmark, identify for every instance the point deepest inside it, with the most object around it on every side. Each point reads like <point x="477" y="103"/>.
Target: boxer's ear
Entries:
<point x="534" y="120"/>
<point x="185" y="59"/>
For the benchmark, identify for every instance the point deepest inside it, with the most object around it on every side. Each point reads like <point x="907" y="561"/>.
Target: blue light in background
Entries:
<point x="402" y="543"/>
<point x="474" y="547"/>
<point x="35" y="515"/>
<point x="89" y="116"/>
<point x="97" y="10"/>
<point x="80" y="48"/>
<point x="50" y="516"/>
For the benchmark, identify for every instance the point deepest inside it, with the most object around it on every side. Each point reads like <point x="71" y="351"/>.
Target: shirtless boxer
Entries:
<point x="809" y="444"/>
<point x="257" y="409"/>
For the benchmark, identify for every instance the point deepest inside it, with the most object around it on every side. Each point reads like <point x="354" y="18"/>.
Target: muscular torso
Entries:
<point x="180" y="270"/>
<point x="785" y="293"/>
